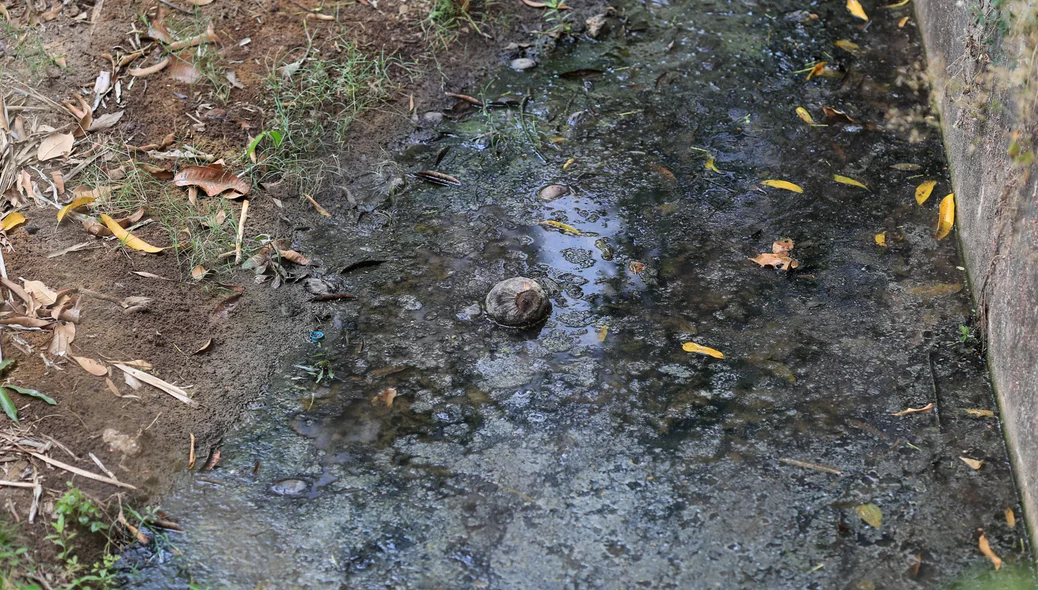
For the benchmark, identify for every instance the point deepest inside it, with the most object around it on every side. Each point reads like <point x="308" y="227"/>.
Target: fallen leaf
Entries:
<point x="817" y="70"/>
<point x="778" y="261"/>
<point x="922" y="192"/>
<point x="64" y="334"/>
<point x="208" y="344"/>
<point x="154" y="381"/>
<point x="127" y="238"/>
<point x="904" y="21"/>
<point x="75" y="204"/>
<point x="973" y="463"/>
<point x="1010" y="518"/>
<point x="663" y="172"/>
<point x="635" y="267"/>
<point x="94" y="367"/>
<point x="184" y="71"/>
<point x="782" y="184"/>
<point x="212" y="179"/>
<point x="985" y="548"/>
<point x="603" y="333"/>
<point x="105" y="121"/>
<point x="73" y="248"/>
<point x="59" y="181"/>
<point x="385" y="397"/>
<point x="805" y="116"/>
<point x="980" y="413"/>
<point x="296" y="257"/>
<point x="849" y="181"/>
<point x="896" y="4"/>
<point x="199" y="272"/>
<point x="856" y="10"/>
<point x="906" y="167"/>
<point x="711" y="164"/>
<point x="40" y="292"/>
<point x="150" y="275"/>
<point x="562" y="227"/>
<point x="319" y="208"/>
<point x="55" y="145"/>
<point x="848" y="46"/>
<point x="782" y="246"/>
<point x="908" y="411"/>
<point x="881" y="239"/>
<point x="834" y="113"/>
<point x="11" y="221"/>
<point x="693" y="347"/>
<point x="871" y="514"/>
<point x="946" y="216"/>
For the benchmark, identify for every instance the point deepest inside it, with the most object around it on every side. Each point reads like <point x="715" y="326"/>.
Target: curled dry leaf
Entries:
<point x="106" y="121"/>
<point x="837" y="114"/>
<point x="127" y="238"/>
<point x="805" y="116"/>
<point x="184" y="71"/>
<point x="199" y="272"/>
<point x="776" y="261"/>
<point x="64" y="334"/>
<point x="856" y="10"/>
<point x="908" y="411"/>
<point x="317" y="207"/>
<point x="985" y="548"/>
<point x="783" y="184"/>
<point x="385" y="397"/>
<point x="946" y="217"/>
<point x="75" y="204"/>
<point x="696" y="348"/>
<point x="974" y="464"/>
<point x="212" y="179"/>
<point x="923" y="191"/>
<point x="94" y="367"/>
<point x="205" y="347"/>
<point x="149" y="70"/>
<point x="782" y="246"/>
<point x="635" y="267"/>
<point x="296" y="257"/>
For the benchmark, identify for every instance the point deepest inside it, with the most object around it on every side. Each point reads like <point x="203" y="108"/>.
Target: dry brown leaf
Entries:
<point x="184" y="71"/>
<point x="91" y="366"/>
<point x="59" y="181"/>
<point x="205" y="347"/>
<point x="319" y="208"/>
<point x="782" y="246"/>
<point x="1010" y="518"/>
<point x="24" y="321"/>
<point x="985" y="548"/>
<point x="55" y="145"/>
<point x="908" y="411"/>
<point x="43" y="294"/>
<point x="106" y="121"/>
<point x="295" y="257"/>
<point x="64" y="334"/>
<point x="212" y="179"/>
<point x="199" y="272"/>
<point x="385" y="397"/>
<point x="973" y="463"/>
<point x="778" y="261"/>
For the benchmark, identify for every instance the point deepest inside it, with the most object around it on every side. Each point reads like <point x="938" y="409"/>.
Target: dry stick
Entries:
<point x="101" y="465"/>
<point x="810" y="465"/>
<point x="241" y="231"/>
<point x="79" y="471"/>
<point x="16" y="484"/>
<point x="154" y="381"/>
<point x="207" y="37"/>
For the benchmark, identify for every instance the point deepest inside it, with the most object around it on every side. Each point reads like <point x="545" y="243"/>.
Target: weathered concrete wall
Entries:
<point x="996" y="220"/>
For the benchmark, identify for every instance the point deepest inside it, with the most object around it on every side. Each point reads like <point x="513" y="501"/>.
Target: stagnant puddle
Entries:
<point x="593" y="451"/>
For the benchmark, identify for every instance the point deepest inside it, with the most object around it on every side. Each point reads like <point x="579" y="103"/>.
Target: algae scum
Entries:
<point x="593" y="451"/>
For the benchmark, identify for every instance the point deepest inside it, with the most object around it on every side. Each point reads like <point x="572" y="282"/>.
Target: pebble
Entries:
<point x="432" y="117"/>
<point x="523" y="63"/>
<point x="289" y="487"/>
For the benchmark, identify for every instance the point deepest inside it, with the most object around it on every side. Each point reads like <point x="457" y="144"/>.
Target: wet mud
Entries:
<point x="592" y="450"/>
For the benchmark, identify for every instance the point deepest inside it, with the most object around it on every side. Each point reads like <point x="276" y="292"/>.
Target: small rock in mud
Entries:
<point x="289" y="487"/>
<point x="432" y="117"/>
<point x="317" y="286"/>
<point x="120" y="442"/>
<point x="518" y="302"/>
<point x="553" y="191"/>
<point x="522" y="63"/>
<point x="470" y="313"/>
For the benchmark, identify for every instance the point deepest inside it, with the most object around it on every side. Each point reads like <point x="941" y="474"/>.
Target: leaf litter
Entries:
<point x="778" y="257"/>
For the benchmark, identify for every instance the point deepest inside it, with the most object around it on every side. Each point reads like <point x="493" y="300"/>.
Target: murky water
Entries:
<point x="593" y="451"/>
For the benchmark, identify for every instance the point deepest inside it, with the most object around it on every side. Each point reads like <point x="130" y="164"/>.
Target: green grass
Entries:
<point x="26" y="46"/>
<point x="204" y="57"/>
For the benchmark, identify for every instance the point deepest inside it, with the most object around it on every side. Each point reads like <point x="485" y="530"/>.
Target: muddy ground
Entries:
<point x="251" y="337"/>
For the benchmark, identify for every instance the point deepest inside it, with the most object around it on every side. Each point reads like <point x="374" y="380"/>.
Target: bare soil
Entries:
<point x="250" y="339"/>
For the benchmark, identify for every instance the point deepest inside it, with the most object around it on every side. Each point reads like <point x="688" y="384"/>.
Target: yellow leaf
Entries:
<point x="849" y="181"/>
<point x="75" y="204"/>
<point x="973" y="463"/>
<point x="922" y="192"/>
<point x="848" y="46"/>
<point x="12" y="220"/>
<point x="871" y="514"/>
<point x="896" y="4"/>
<point x="783" y="184"/>
<point x="693" y="347"/>
<point x="710" y="164"/>
<point x="568" y="163"/>
<point x="881" y="239"/>
<point x="985" y="548"/>
<point x="947" y="216"/>
<point x="817" y="70"/>
<point x="127" y="238"/>
<point x="1010" y="518"/>
<point x="901" y="23"/>
<point x="855" y="7"/>
<point x="562" y="227"/>
<point x="805" y="116"/>
<point x="603" y="333"/>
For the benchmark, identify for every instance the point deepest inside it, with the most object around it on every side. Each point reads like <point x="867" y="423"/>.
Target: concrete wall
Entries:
<point x="996" y="221"/>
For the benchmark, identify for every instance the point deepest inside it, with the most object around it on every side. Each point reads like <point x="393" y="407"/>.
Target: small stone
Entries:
<point x="553" y="191"/>
<point x="289" y="487"/>
<point x="522" y="63"/>
<point x="120" y="442"/>
<point x="432" y="117"/>
<point x="470" y="313"/>
<point x="317" y="286"/>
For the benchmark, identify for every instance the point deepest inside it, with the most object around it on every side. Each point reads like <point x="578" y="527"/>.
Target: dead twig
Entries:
<point x="82" y="472"/>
